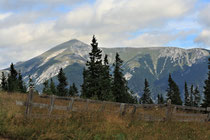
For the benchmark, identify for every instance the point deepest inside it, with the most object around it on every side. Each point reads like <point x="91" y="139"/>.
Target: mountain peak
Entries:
<point x="69" y="45"/>
<point x="73" y="41"/>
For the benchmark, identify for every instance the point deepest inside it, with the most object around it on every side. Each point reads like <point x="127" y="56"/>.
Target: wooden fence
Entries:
<point x="140" y="111"/>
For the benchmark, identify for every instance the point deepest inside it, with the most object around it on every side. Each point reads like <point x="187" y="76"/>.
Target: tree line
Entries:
<point x="100" y="84"/>
<point x="13" y="82"/>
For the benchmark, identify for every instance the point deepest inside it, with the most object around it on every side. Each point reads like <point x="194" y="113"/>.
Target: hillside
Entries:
<point x="152" y="63"/>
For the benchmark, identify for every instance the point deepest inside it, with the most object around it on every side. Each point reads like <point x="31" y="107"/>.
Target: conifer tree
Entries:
<point x="119" y="87"/>
<point x="21" y="85"/>
<point x="52" y="87"/>
<point x="73" y="91"/>
<point x="197" y="97"/>
<point x="46" y="89"/>
<point x="105" y="82"/>
<point x="206" y="100"/>
<point x="146" y="97"/>
<point x="4" y="82"/>
<point x="84" y="87"/>
<point x="160" y="99"/>
<point x="173" y="92"/>
<point x="187" y="96"/>
<point x="91" y="87"/>
<point x="191" y="95"/>
<point x="12" y="79"/>
<point x="61" y="87"/>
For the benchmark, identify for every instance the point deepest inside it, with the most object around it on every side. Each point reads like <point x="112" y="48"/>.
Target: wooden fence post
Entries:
<point x="168" y="111"/>
<point x="52" y="101"/>
<point x="29" y="102"/>
<point x="134" y="110"/>
<point x="122" y="109"/>
<point x="71" y="103"/>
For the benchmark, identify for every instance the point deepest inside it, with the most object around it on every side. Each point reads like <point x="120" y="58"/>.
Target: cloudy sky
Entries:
<point x="30" y="27"/>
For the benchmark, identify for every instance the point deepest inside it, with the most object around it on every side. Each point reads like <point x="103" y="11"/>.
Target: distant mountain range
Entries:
<point x="155" y="64"/>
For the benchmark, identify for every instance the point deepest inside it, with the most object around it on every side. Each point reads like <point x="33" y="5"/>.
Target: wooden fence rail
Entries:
<point x="172" y="111"/>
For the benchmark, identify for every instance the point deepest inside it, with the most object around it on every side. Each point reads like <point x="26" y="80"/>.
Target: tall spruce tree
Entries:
<point x="61" y="87"/>
<point x="105" y="82"/>
<point x="206" y="100"/>
<point x="187" y="96"/>
<point x="12" y="79"/>
<point x="197" y="97"/>
<point x="52" y="87"/>
<point x="4" y="82"/>
<point x="191" y="95"/>
<point x="21" y="84"/>
<point x="160" y="99"/>
<point x="91" y="87"/>
<point x="146" y="97"/>
<point x="119" y="87"/>
<point x="84" y="87"/>
<point x="173" y="92"/>
<point x="73" y="91"/>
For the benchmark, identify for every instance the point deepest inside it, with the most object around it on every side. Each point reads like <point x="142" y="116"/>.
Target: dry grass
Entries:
<point x="98" y="126"/>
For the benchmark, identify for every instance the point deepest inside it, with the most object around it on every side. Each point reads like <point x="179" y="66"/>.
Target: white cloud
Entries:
<point x="205" y="16"/>
<point x="204" y="38"/>
<point x="204" y="19"/>
<point x="124" y="15"/>
<point x="29" y="31"/>
<point x="114" y="20"/>
<point x="4" y="16"/>
<point x="156" y="39"/>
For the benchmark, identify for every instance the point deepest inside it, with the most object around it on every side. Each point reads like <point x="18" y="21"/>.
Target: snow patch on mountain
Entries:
<point x="178" y="54"/>
<point x="51" y="72"/>
<point x="128" y="76"/>
<point x="51" y="56"/>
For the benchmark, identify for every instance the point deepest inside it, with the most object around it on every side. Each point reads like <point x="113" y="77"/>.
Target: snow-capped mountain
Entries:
<point x="152" y="63"/>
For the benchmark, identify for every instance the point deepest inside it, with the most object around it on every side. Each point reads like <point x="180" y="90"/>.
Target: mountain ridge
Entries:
<point x="153" y="63"/>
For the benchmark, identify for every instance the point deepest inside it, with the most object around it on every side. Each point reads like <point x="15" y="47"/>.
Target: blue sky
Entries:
<point x="30" y="27"/>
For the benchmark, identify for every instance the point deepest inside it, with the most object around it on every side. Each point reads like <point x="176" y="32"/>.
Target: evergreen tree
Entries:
<point x="52" y="87"/>
<point x="146" y="97"/>
<point x="105" y="82"/>
<point x="197" y="97"/>
<point x="119" y="87"/>
<point x="73" y="91"/>
<point x="46" y="89"/>
<point x="4" y="82"/>
<point x="84" y="87"/>
<point x="191" y="95"/>
<point x="173" y="92"/>
<point x="160" y="99"/>
<point x="135" y="100"/>
<point x="91" y="87"/>
<point x="187" y="96"/>
<point x="61" y="87"/>
<point x="21" y="85"/>
<point x="206" y="100"/>
<point x="12" y="79"/>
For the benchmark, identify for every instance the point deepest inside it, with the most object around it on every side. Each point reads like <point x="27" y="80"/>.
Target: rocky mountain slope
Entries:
<point x="152" y="63"/>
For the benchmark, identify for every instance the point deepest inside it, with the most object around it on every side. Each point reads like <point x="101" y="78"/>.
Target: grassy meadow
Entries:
<point x="90" y="126"/>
